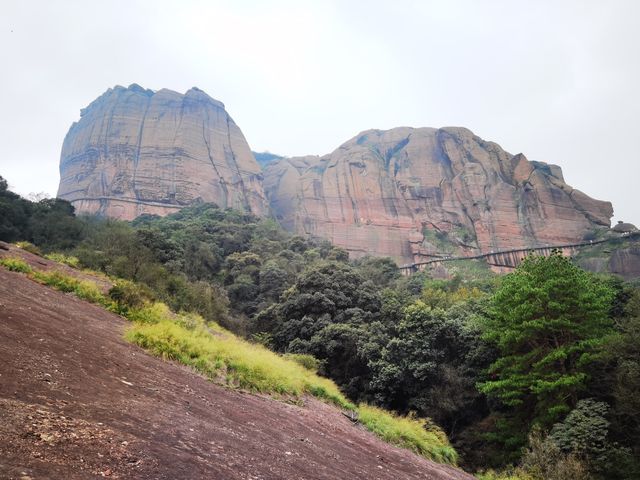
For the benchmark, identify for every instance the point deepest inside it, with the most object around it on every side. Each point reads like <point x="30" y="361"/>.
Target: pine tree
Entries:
<point x="547" y="319"/>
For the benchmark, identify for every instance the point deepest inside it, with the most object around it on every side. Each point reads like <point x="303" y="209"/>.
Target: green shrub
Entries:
<point x="57" y="280"/>
<point x="90" y="292"/>
<point x="190" y="320"/>
<point x="309" y="362"/>
<point x="509" y="475"/>
<point x="15" y="265"/>
<point x="82" y="289"/>
<point x="152" y="313"/>
<point x="130" y="295"/>
<point x="71" y="261"/>
<point x="263" y="338"/>
<point x="543" y="460"/>
<point x="29" y="247"/>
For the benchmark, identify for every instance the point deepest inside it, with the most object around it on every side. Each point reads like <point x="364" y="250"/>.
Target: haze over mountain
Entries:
<point x="405" y="193"/>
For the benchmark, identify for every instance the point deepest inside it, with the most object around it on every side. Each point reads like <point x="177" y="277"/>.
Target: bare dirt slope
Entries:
<point x="77" y="401"/>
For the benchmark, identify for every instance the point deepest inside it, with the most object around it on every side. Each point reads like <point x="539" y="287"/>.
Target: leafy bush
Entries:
<point x="15" y="265"/>
<point x="508" y="475"/>
<point x="150" y="314"/>
<point x="90" y="292"/>
<point x="309" y="362"/>
<point x="263" y="338"/>
<point x="128" y="294"/>
<point x="29" y="247"/>
<point x="193" y="321"/>
<point x="585" y="432"/>
<point x="543" y="460"/>
<point x="71" y="261"/>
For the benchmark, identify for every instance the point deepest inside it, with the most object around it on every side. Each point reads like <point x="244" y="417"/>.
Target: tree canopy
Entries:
<point x="547" y="319"/>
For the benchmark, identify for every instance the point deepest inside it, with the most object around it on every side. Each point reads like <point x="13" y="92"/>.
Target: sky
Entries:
<point x="556" y="80"/>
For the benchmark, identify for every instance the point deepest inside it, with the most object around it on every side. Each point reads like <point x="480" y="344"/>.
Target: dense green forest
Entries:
<point x="535" y="374"/>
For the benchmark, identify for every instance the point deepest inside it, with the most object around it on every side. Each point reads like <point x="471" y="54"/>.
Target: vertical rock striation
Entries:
<point x="409" y="193"/>
<point x="137" y="151"/>
<point x="413" y="194"/>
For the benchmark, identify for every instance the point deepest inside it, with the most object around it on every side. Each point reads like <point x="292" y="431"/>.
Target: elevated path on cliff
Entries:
<point x="511" y="258"/>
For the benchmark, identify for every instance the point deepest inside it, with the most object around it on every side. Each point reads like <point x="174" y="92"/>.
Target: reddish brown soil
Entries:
<point x="77" y="401"/>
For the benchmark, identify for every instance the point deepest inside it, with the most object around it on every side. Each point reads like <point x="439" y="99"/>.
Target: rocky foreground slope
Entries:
<point x="78" y="402"/>
<point x="137" y="151"/>
<point x="415" y="193"/>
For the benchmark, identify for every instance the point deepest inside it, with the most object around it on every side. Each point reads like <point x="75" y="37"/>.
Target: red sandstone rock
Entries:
<point x="136" y="151"/>
<point x="407" y="193"/>
<point x="413" y="193"/>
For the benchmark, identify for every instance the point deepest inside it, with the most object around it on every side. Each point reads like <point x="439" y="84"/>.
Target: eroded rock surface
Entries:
<point x="412" y="194"/>
<point x="137" y="151"/>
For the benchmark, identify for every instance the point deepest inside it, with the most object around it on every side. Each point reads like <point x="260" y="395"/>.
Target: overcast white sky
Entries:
<point x="556" y="80"/>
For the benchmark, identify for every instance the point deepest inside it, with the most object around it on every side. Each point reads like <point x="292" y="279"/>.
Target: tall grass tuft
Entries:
<point x="222" y="356"/>
<point x="513" y="475"/>
<point x="307" y="361"/>
<point x="71" y="261"/>
<point x="82" y="289"/>
<point x="29" y="247"/>
<point x="408" y="432"/>
<point x="15" y="265"/>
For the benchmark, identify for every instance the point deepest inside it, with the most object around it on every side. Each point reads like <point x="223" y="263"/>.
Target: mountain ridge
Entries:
<point x="430" y="187"/>
<point x="407" y="193"/>
<point x="136" y="151"/>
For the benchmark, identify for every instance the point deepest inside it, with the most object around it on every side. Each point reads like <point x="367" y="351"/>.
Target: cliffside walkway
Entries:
<point x="508" y="258"/>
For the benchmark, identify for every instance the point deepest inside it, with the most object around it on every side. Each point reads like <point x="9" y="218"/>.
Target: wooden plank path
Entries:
<point x="509" y="258"/>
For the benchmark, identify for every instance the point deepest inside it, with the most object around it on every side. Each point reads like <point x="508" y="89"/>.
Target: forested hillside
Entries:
<point x="533" y="374"/>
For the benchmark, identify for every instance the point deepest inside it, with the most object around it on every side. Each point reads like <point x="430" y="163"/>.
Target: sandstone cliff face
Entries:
<point x="136" y="151"/>
<point x="412" y="194"/>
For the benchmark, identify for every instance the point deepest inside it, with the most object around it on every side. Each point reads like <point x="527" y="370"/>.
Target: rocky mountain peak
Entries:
<point x="408" y="193"/>
<point x="414" y="193"/>
<point x="136" y="151"/>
